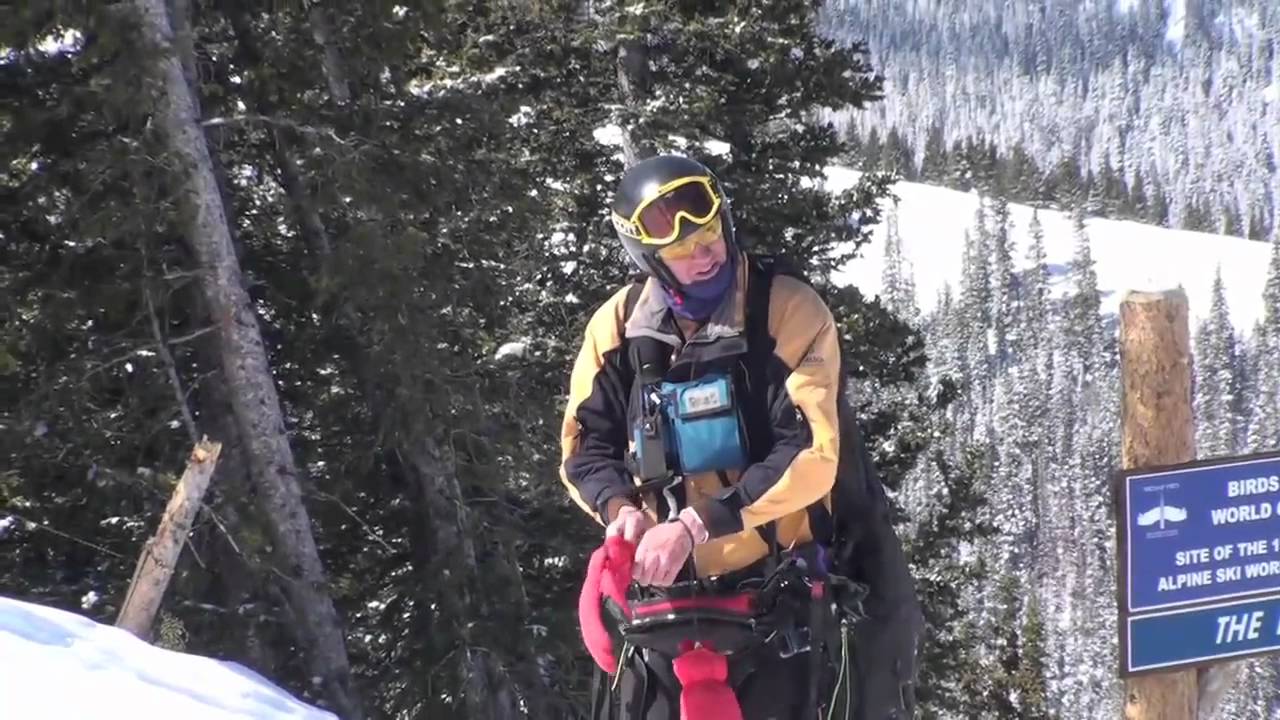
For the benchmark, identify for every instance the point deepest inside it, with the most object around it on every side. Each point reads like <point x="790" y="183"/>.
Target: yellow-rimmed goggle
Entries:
<point x="656" y="220"/>
<point x="705" y="237"/>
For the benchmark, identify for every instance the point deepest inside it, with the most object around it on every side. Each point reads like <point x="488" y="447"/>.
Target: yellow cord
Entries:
<point x="622" y="660"/>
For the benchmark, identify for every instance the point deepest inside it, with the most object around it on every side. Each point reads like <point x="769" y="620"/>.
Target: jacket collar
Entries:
<point x="652" y="318"/>
<point x="722" y="336"/>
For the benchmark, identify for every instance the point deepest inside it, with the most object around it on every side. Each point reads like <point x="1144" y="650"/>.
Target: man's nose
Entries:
<point x="702" y="251"/>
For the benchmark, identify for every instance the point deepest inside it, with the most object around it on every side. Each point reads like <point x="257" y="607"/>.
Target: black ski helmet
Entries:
<point x="640" y="184"/>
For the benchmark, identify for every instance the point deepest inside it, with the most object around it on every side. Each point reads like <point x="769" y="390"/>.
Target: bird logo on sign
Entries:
<point x="1162" y="514"/>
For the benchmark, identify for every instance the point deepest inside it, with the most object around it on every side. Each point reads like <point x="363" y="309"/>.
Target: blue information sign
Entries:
<point x="1199" y="562"/>
<point x="1203" y="634"/>
<point x="1202" y="534"/>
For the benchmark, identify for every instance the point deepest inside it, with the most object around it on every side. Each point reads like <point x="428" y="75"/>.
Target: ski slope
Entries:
<point x="57" y="665"/>
<point x="1127" y="255"/>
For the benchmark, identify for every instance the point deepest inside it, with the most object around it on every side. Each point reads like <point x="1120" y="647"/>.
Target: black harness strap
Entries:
<point x="759" y="349"/>
<point x="821" y="525"/>
<point x="633" y="296"/>
<point x="649" y="356"/>
<point x="763" y="270"/>
<point x="817" y="645"/>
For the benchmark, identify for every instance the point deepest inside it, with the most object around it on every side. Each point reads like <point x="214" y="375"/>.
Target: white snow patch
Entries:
<point x="608" y="135"/>
<point x="511" y="349"/>
<point x="67" y="40"/>
<point x="521" y="117"/>
<point x="1127" y="255"/>
<point x="58" y="664"/>
<point x="1177" y="27"/>
<point x="717" y="147"/>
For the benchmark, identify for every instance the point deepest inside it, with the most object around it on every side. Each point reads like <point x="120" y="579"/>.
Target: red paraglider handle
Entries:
<point x="705" y="693"/>
<point x="608" y="576"/>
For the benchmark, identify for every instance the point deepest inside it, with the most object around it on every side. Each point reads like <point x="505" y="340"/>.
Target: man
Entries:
<point x="714" y="445"/>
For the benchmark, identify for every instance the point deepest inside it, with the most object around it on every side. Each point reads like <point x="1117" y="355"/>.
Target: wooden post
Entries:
<point x="1158" y="429"/>
<point x="160" y="555"/>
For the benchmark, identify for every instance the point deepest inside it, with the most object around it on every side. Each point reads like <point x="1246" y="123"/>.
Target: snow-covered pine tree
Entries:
<point x="1076" y="566"/>
<point x="1216" y="376"/>
<point x="896" y="281"/>
<point x="1264" y="413"/>
<point x="1084" y="331"/>
<point x="1016" y="687"/>
<point x="1011" y="487"/>
<point x="1004" y="284"/>
<point x="1029" y="681"/>
<point x="975" y="306"/>
<point x="940" y="551"/>
<point x="1034" y="347"/>
<point x="1002" y="693"/>
<point x="1098" y="434"/>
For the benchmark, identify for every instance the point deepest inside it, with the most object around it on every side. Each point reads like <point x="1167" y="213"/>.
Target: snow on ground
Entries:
<point x="1127" y="255"/>
<point x="59" y="665"/>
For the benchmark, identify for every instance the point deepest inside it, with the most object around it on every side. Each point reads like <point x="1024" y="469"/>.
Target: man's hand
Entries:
<point x="664" y="549"/>
<point x="630" y="522"/>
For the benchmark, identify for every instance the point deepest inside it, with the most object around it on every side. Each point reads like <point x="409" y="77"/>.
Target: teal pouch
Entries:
<point x="704" y="424"/>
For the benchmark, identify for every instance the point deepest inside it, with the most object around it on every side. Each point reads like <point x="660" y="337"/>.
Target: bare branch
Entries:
<point x="162" y="348"/>
<point x="372" y="533"/>
<point x="48" y="528"/>
<point x="191" y="336"/>
<point x="277" y="122"/>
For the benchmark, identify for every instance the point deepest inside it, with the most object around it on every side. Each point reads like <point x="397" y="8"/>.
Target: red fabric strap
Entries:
<point x="741" y="604"/>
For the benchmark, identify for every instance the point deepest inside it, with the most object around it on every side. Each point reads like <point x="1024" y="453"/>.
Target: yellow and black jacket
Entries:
<point x="794" y="451"/>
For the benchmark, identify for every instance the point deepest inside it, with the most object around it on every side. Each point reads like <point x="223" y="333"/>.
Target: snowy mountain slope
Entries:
<point x="59" y="665"/>
<point x="1128" y="255"/>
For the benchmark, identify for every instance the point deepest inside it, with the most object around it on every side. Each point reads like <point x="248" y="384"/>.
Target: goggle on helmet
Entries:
<point x="659" y="203"/>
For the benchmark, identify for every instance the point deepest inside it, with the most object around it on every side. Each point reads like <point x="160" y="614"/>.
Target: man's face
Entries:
<point x="698" y="256"/>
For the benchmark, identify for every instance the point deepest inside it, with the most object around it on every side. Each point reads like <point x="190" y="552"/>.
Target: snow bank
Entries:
<point x="1127" y="255"/>
<point x="60" y="665"/>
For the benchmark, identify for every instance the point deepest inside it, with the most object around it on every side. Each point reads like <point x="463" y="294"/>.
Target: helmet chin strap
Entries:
<point x="666" y="277"/>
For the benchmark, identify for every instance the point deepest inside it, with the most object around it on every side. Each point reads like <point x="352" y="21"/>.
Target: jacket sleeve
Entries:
<point x="803" y="394"/>
<point x="593" y="435"/>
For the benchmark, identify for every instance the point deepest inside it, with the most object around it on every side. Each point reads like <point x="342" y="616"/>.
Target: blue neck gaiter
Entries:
<point x="698" y="300"/>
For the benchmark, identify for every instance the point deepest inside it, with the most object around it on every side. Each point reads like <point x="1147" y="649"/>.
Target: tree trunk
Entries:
<point x="633" y="83"/>
<point x="1158" y="429"/>
<point x="160" y="556"/>
<point x="185" y="44"/>
<point x="334" y="73"/>
<point x="286" y="142"/>
<point x="246" y="370"/>
<point x="489" y="690"/>
<point x="239" y="578"/>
